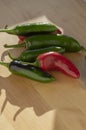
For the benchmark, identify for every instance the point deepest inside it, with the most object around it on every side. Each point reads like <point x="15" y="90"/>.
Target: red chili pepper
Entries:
<point x="21" y="38"/>
<point x="56" y="61"/>
<point x="58" y="31"/>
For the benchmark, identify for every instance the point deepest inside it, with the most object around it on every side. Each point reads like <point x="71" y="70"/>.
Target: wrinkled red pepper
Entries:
<point x="56" y="61"/>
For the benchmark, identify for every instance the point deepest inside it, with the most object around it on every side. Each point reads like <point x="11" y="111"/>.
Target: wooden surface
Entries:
<point x="30" y="105"/>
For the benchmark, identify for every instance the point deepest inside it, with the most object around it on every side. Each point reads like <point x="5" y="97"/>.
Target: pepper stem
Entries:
<point x="15" y="45"/>
<point x="36" y="63"/>
<point x="10" y="31"/>
<point x="3" y="30"/>
<point x="4" y="64"/>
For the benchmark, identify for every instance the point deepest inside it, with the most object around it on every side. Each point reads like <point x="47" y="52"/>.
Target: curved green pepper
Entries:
<point x="31" y="55"/>
<point x="31" y="28"/>
<point x="29" y="71"/>
<point x="41" y="41"/>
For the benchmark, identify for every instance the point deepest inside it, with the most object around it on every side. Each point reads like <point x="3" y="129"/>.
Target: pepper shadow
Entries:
<point x="14" y="52"/>
<point x="19" y="93"/>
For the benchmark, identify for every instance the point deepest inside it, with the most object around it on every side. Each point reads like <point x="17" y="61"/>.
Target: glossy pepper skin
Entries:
<point x="31" y="28"/>
<point x="29" y="71"/>
<point x="56" y="61"/>
<point x="41" y="41"/>
<point x="31" y="55"/>
<point x="23" y="37"/>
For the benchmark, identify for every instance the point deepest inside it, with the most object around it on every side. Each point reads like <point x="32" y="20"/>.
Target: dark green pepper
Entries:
<point x="31" y="55"/>
<point x="29" y="71"/>
<point x="42" y="41"/>
<point x="30" y="28"/>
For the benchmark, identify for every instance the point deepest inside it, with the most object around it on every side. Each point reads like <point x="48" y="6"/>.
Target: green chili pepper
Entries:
<point x="29" y="71"/>
<point x="41" y="41"/>
<point x="31" y="55"/>
<point x="31" y="28"/>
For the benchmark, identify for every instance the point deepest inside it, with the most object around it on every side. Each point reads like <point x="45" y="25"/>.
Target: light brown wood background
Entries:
<point x="70" y="14"/>
<point x="29" y="105"/>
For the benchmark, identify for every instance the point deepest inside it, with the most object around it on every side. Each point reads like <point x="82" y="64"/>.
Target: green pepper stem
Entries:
<point x="4" y="64"/>
<point x="3" y="30"/>
<point x="36" y="63"/>
<point x="9" y="31"/>
<point x="15" y="45"/>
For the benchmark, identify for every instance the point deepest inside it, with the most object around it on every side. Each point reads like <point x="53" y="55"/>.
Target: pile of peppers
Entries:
<point x="44" y="45"/>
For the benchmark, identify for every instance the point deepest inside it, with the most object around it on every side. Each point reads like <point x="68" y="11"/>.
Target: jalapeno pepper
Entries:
<point x="30" y="28"/>
<point x="31" y="55"/>
<point x="56" y="61"/>
<point x="22" y="38"/>
<point x="41" y="41"/>
<point x="29" y="71"/>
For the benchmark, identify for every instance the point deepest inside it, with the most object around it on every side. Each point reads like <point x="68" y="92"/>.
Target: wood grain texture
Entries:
<point x="27" y="104"/>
